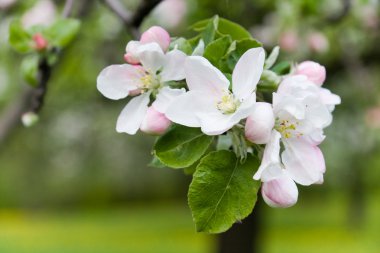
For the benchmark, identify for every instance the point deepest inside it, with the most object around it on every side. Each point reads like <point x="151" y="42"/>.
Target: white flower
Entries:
<point x="153" y="34"/>
<point x="209" y="103"/>
<point x="119" y="81"/>
<point x="300" y="111"/>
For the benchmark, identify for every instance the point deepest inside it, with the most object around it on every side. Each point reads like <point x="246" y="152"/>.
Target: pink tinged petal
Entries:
<point x="131" y="52"/>
<point x="116" y="81"/>
<point x="247" y="72"/>
<point x="303" y="161"/>
<point x="329" y="99"/>
<point x="313" y="70"/>
<point x="151" y="57"/>
<point x="183" y="109"/>
<point x="202" y="76"/>
<point x="259" y="124"/>
<point x="154" y="122"/>
<point x="165" y="97"/>
<point x="271" y="154"/>
<point x="133" y="114"/>
<point x="174" y="66"/>
<point x="280" y="192"/>
<point x="158" y="35"/>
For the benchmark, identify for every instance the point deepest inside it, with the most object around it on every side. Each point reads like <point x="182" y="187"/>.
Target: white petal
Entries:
<point x="213" y="122"/>
<point x="201" y="75"/>
<point x="165" y="97"/>
<point x="303" y="162"/>
<point x="259" y="124"/>
<point x="116" y="81"/>
<point x="329" y="99"/>
<point x="247" y="72"/>
<point x="271" y="154"/>
<point x="280" y="192"/>
<point x="183" y="109"/>
<point x="151" y="56"/>
<point x="132" y="115"/>
<point x="174" y="67"/>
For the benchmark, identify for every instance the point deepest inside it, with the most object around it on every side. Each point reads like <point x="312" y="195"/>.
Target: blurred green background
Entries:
<point x="72" y="184"/>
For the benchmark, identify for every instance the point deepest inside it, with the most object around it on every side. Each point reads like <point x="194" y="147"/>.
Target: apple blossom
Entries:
<point x="209" y="104"/>
<point x="289" y="41"/>
<point x="299" y="115"/>
<point x="154" y="34"/>
<point x="154" y="122"/>
<point x="313" y="70"/>
<point x="259" y="124"/>
<point x="318" y="42"/>
<point x="157" y="68"/>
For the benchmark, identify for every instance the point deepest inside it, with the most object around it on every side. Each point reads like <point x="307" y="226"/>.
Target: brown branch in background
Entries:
<point x="32" y="100"/>
<point x="142" y="11"/>
<point x="132" y="21"/>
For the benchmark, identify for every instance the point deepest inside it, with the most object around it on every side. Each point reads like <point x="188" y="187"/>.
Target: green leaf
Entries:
<point x="222" y="191"/>
<point x="269" y="81"/>
<point x="156" y="163"/>
<point x="19" y="38"/>
<point x="272" y="58"/>
<point x="209" y="32"/>
<point x="181" y="146"/>
<point x="29" y="69"/>
<point x="225" y="27"/>
<point x="182" y="44"/>
<point x="217" y="49"/>
<point x="236" y="50"/>
<point x="282" y="68"/>
<point x="236" y="31"/>
<point x="62" y="32"/>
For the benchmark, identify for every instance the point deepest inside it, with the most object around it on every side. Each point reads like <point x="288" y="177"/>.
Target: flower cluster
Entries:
<point x="170" y="84"/>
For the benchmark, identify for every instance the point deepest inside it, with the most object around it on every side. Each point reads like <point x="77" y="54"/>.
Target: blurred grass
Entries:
<point x="317" y="226"/>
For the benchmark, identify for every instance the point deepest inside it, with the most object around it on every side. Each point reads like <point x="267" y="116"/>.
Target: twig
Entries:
<point x="132" y="21"/>
<point x="30" y="100"/>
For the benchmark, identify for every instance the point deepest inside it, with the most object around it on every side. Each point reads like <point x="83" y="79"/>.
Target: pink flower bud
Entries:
<point x="318" y="42"/>
<point x="154" y="122"/>
<point x="40" y="43"/>
<point x="260" y="123"/>
<point x="131" y="52"/>
<point x="280" y="192"/>
<point x="156" y="34"/>
<point x="315" y="72"/>
<point x="289" y="41"/>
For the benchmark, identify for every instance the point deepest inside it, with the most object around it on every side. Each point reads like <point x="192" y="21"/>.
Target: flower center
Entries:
<point x="149" y="82"/>
<point x="287" y="128"/>
<point x="228" y="104"/>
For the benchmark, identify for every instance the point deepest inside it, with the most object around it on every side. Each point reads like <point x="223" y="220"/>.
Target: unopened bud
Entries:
<point x="29" y="119"/>
<point x="154" y="122"/>
<point x="40" y="43"/>
<point x="315" y="72"/>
